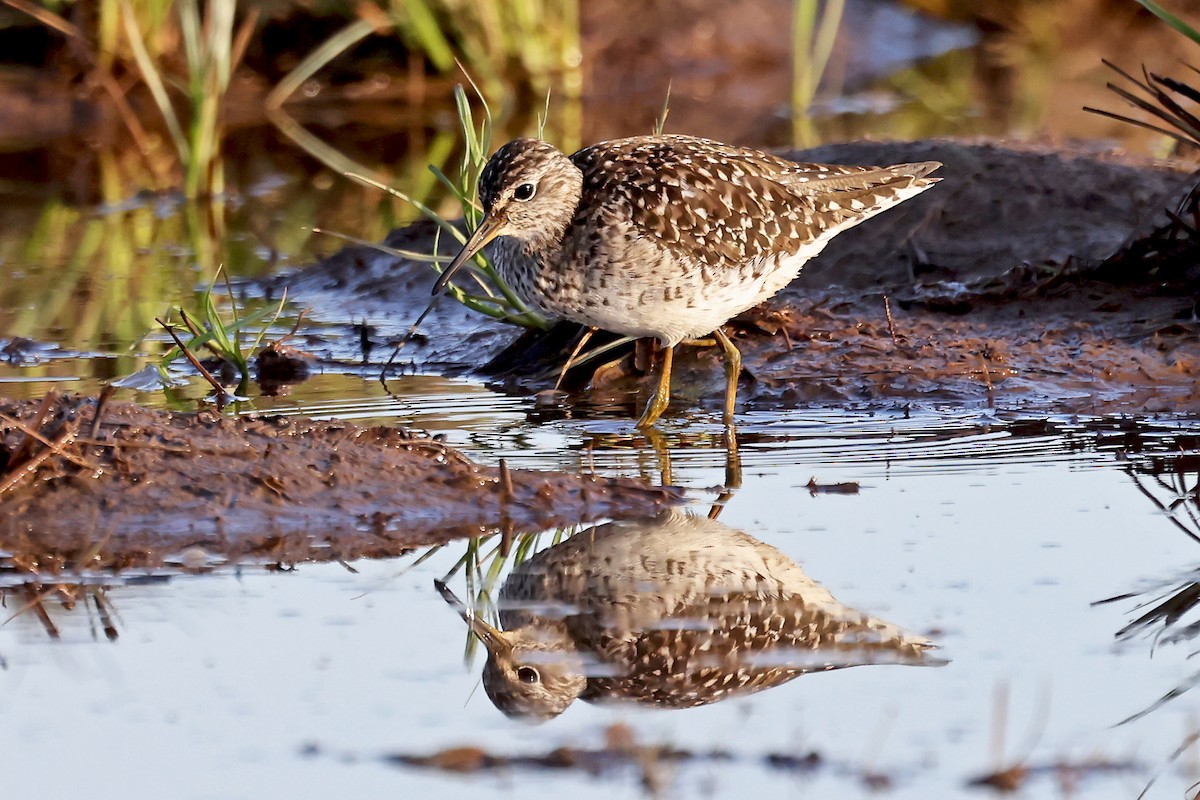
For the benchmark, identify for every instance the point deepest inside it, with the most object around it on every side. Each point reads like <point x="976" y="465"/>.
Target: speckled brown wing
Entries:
<point x="715" y="646"/>
<point x="723" y="205"/>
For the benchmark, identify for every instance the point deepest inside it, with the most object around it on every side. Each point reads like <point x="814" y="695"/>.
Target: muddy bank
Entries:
<point x="657" y="763"/>
<point x="995" y="280"/>
<point x="143" y="487"/>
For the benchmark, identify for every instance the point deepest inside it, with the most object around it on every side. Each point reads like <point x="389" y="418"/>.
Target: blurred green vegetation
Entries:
<point x="814" y="30"/>
<point x="97" y="274"/>
<point x="185" y="55"/>
<point x="93" y="281"/>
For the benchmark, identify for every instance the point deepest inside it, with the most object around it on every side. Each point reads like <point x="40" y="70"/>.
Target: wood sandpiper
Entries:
<point x="666" y="236"/>
<point x="674" y="612"/>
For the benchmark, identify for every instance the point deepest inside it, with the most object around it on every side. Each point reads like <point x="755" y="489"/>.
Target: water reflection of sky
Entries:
<point x="217" y="683"/>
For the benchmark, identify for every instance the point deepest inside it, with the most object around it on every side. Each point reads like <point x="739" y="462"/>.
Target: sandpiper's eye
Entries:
<point x="523" y="192"/>
<point x="528" y="675"/>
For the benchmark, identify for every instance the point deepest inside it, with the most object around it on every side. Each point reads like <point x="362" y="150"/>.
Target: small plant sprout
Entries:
<point x="223" y="339"/>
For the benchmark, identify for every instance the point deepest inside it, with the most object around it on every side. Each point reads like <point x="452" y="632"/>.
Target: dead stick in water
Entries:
<point x="506" y="536"/>
<point x="35" y="436"/>
<point x="106" y="618"/>
<point x="987" y="375"/>
<point x="44" y="617"/>
<point x="887" y="310"/>
<point x="23" y="448"/>
<point x="37" y="595"/>
<point x="101" y="402"/>
<point x="31" y="466"/>
<point x="506" y="497"/>
<point x="222" y="395"/>
<point x="506" y="484"/>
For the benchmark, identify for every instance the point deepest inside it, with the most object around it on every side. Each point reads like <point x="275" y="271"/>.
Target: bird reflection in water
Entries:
<point x="674" y="612"/>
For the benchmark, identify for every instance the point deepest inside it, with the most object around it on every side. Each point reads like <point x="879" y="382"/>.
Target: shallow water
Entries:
<point x="992" y="537"/>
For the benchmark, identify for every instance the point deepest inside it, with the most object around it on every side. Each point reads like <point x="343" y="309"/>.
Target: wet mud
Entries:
<point x="145" y="488"/>
<point x="1003" y="286"/>
<point x="655" y="764"/>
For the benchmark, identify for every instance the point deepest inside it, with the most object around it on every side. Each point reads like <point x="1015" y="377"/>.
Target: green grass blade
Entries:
<point x="544" y="114"/>
<point x="153" y="80"/>
<point x="466" y="121"/>
<point x="328" y="50"/>
<point x="196" y="342"/>
<point x="263" y="331"/>
<point x="456" y="190"/>
<point x="444" y="224"/>
<point x="660" y="124"/>
<point x="410" y="255"/>
<point x="189" y="29"/>
<point x="831" y="21"/>
<point x="427" y="32"/>
<point x="1172" y="20"/>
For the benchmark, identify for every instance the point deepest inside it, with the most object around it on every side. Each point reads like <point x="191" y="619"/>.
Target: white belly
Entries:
<point x="688" y="304"/>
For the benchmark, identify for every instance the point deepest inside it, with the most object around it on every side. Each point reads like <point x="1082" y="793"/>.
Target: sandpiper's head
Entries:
<point x="529" y="191"/>
<point x="532" y="673"/>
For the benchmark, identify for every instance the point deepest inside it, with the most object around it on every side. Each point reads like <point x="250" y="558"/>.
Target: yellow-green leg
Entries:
<point x="733" y="370"/>
<point x="662" y="395"/>
<point x="733" y="473"/>
<point x="662" y="453"/>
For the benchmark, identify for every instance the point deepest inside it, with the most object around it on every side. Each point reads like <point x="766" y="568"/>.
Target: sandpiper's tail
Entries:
<point x="843" y="197"/>
<point x="815" y="180"/>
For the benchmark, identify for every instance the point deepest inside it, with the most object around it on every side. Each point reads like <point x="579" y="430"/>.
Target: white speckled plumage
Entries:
<point x="674" y="612"/>
<point x="666" y="236"/>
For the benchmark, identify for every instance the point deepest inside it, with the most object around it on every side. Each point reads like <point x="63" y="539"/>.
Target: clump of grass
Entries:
<point x="530" y="44"/>
<point x="1168" y="252"/>
<point x="478" y="145"/>
<point x="210" y="331"/>
<point x="211" y="53"/>
<point x="211" y="47"/>
<point x="482" y="564"/>
<point x="491" y="296"/>
<point x="1161" y="96"/>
